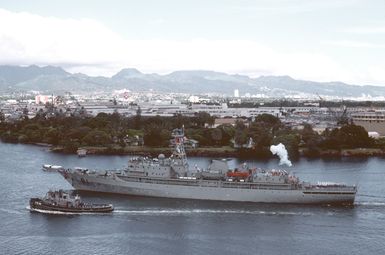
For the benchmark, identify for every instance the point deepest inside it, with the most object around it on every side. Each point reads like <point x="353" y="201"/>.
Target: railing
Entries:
<point x="333" y="188"/>
<point x="206" y="183"/>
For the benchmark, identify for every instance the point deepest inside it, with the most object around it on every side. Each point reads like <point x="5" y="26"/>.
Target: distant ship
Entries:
<point x="60" y="201"/>
<point x="81" y="152"/>
<point x="172" y="178"/>
<point x="51" y="168"/>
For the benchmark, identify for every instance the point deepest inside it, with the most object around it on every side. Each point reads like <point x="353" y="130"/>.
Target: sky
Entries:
<point x="328" y="40"/>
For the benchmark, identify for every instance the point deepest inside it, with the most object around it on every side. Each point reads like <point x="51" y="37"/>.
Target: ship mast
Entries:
<point x="179" y="151"/>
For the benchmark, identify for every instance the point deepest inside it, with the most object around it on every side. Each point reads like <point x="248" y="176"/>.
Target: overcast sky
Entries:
<point x="321" y="40"/>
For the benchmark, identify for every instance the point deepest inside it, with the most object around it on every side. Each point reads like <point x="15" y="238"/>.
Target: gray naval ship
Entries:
<point x="172" y="178"/>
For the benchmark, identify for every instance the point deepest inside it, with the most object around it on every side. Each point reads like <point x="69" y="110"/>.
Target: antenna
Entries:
<point x="179" y="150"/>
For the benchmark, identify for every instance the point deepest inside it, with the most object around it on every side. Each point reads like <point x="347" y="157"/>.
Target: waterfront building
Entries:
<point x="372" y="121"/>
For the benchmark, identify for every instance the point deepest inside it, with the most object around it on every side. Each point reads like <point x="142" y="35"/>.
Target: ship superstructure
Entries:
<point x="171" y="178"/>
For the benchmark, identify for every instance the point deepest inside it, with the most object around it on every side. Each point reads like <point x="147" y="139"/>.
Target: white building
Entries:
<point x="373" y="121"/>
<point x="42" y="99"/>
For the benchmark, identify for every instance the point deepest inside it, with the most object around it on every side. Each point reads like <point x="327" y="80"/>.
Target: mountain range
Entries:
<point x="50" y="79"/>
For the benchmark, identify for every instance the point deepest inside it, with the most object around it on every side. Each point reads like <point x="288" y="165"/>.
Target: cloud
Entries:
<point x="294" y="6"/>
<point x="366" y="30"/>
<point x="158" y="21"/>
<point x="26" y="38"/>
<point x="88" y="46"/>
<point x="355" y="44"/>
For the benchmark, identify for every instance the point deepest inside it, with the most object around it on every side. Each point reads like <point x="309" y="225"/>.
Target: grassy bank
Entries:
<point x="224" y="151"/>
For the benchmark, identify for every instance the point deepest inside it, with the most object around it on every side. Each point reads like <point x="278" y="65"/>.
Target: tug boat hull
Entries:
<point x="37" y="204"/>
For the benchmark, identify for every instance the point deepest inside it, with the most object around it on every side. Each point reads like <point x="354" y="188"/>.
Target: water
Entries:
<point x="167" y="226"/>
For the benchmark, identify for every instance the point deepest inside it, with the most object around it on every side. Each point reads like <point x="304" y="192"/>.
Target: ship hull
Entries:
<point x="37" y="204"/>
<point x="209" y="190"/>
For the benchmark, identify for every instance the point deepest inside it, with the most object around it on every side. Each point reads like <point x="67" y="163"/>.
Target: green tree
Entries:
<point x="311" y="140"/>
<point x="99" y="122"/>
<point x="240" y="136"/>
<point x="203" y="118"/>
<point x="53" y="136"/>
<point x="179" y="120"/>
<point x="216" y="135"/>
<point x="25" y="113"/>
<point x="228" y="132"/>
<point x="70" y="146"/>
<point x="97" y="137"/>
<point x="380" y="143"/>
<point x="138" y="118"/>
<point x="269" y="122"/>
<point x="348" y="136"/>
<point x="199" y="135"/>
<point x="353" y="136"/>
<point x="40" y="115"/>
<point x="155" y="136"/>
<point x="291" y="142"/>
<point x="261" y="135"/>
<point x="2" y="117"/>
<point x="78" y="133"/>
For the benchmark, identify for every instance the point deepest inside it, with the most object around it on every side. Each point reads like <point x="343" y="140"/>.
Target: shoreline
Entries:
<point x="153" y="151"/>
<point x="219" y="152"/>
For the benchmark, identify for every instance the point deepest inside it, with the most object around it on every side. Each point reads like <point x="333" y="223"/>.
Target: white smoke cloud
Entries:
<point x="281" y="151"/>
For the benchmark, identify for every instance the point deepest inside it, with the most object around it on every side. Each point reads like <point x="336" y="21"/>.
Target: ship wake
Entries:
<point x="370" y="203"/>
<point x="207" y="211"/>
<point x="65" y="213"/>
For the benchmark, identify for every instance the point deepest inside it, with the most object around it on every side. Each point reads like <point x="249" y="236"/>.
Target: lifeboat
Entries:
<point x="238" y="174"/>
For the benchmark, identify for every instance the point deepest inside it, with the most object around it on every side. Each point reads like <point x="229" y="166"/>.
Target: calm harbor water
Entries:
<point x="167" y="226"/>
